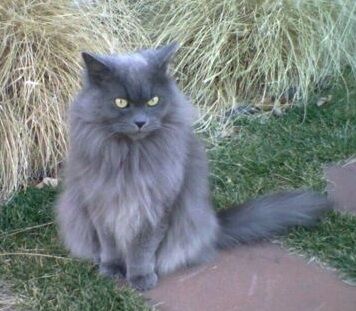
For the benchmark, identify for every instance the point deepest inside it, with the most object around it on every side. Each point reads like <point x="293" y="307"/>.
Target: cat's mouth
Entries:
<point x="138" y="135"/>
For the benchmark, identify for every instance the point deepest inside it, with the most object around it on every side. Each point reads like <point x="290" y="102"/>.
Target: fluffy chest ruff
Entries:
<point x="133" y="185"/>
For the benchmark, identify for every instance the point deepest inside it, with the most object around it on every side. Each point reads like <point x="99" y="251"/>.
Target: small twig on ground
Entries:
<point x="26" y="229"/>
<point x="36" y="255"/>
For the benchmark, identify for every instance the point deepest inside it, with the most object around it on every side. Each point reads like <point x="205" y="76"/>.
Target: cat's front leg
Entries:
<point x="111" y="261"/>
<point x="141" y="257"/>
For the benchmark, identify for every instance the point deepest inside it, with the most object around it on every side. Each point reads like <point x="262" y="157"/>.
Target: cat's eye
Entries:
<point x="153" y="101"/>
<point x="121" y="103"/>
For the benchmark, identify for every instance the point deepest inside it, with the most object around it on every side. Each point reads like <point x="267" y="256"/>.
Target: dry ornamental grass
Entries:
<point x="268" y="53"/>
<point x="39" y="72"/>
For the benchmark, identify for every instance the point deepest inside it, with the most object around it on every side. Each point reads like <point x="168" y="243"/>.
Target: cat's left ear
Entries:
<point x="165" y="54"/>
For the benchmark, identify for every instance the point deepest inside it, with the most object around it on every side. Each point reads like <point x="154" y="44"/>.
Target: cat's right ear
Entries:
<point x="98" y="72"/>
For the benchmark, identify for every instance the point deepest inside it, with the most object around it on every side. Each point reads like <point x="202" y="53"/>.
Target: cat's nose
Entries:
<point x="140" y="123"/>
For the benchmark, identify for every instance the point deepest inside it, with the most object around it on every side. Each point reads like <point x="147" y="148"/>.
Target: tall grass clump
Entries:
<point x="259" y="51"/>
<point x="39" y="69"/>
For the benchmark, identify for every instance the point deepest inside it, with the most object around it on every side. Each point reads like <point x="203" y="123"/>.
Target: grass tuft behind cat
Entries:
<point x="40" y="71"/>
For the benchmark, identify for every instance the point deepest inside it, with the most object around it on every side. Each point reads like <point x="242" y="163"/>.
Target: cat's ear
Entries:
<point x="165" y="54"/>
<point x="98" y="71"/>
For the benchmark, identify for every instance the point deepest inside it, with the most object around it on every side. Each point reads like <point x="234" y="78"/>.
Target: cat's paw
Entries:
<point x="144" y="282"/>
<point x="111" y="270"/>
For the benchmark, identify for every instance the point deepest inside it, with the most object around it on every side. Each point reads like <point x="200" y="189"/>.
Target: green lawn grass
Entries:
<point x="55" y="282"/>
<point x="263" y="156"/>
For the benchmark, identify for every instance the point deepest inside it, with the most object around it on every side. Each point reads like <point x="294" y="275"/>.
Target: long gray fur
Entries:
<point x="270" y="215"/>
<point x="137" y="200"/>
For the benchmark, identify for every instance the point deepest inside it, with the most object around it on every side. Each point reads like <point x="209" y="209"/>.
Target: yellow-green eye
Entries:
<point x="153" y="101"/>
<point x="121" y="103"/>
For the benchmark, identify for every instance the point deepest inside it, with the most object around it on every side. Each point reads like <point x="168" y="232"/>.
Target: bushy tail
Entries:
<point x="269" y="216"/>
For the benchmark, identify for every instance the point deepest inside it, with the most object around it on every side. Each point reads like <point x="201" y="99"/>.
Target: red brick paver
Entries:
<point x="254" y="278"/>
<point x="341" y="186"/>
<point x="264" y="277"/>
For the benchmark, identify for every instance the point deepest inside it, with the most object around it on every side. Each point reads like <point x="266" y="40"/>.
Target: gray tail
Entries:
<point x="270" y="215"/>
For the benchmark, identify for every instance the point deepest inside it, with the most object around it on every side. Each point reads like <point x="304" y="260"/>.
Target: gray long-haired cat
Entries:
<point x="136" y="197"/>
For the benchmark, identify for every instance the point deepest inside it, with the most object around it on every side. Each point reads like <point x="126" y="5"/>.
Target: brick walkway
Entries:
<point x="264" y="276"/>
<point x="342" y="186"/>
<point x="254" y="278"/>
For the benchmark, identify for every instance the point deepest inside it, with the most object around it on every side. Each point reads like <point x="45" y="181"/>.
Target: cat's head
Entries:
<point x="130" y="94"/>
